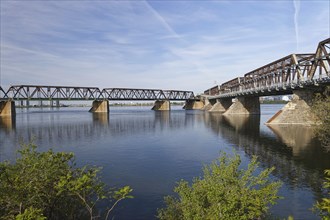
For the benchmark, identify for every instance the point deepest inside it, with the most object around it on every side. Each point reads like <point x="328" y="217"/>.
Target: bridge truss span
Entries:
<point x="145" y="94"/>
<point x="282" y="76"/>
<point x="37" y="92"/>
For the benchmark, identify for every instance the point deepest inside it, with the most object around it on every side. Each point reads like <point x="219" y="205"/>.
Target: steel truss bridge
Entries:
<point x="295" y="71"/>
<point x="37" y="92"/>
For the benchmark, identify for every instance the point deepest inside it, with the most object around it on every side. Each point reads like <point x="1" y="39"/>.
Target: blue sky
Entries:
<point x="183" y="45"/>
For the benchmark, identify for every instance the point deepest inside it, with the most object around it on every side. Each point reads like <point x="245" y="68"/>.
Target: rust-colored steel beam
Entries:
<point x="281" y="76"/>
<point x="321" y="61"/>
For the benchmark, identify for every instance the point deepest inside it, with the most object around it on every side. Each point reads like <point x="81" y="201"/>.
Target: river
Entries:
<point x="151" y="151"/>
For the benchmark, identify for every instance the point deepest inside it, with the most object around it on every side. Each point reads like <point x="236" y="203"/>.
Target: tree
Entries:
<point x="47" y="185"/>
<point x="323" y="207"/>
<point x="224" y="192"/>
<point x="321" y="108"/>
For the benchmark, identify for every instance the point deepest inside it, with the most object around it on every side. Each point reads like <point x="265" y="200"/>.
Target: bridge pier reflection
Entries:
<point x="101" y="118"/>
<point x="292" y="149"/>
<point x="295" y="136"/>
<point x="8" y="122"/>
<point x="7" y="108"/>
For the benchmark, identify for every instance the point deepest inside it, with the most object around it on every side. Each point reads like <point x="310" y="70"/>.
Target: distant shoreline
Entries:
<point x="128" y="104"/>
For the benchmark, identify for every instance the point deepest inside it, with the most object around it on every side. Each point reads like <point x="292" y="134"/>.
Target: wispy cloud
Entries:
<point x="296" y="4"/>
<point x="156" y="44"/>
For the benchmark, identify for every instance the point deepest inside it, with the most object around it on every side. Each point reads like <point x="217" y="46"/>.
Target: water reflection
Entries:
<point x="53" y="127"/>
<point x="7" y="122"/>
<point x="293" y="150"/>
<point x="101" y="117"/>
<point x="297" y="137"/>
<point x="151" y="150"/>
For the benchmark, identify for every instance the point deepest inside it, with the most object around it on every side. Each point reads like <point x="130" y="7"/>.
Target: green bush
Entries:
<point x="224" y="192"/>
<point x="44" y="185"/>
<point x="321" y="108"/>
<point x="323" y="207"/>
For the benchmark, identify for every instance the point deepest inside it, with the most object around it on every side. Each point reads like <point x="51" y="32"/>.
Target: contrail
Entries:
<point x="296" y="5"/>
<point x="162" y="20"/>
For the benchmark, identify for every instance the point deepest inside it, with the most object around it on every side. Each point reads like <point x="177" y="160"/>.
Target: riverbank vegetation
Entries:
<point x="224" y="192"/>
<point x="323" y="207"/>
<point x="321" y="108"/>
<point x="48" y="185"/>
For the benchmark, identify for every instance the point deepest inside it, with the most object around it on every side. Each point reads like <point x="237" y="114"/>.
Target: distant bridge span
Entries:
<point x="100" y="97"/>
<point x="38" y="92"/>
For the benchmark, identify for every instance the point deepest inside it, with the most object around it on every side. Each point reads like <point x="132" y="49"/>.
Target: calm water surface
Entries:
<point x="151" y="151"/>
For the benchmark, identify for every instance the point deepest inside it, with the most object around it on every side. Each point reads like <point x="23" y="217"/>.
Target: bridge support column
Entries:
<point x="100" y="106"/>
<point x="208" y="104"/>
<point x="162" y="105"/>
<point x="245" y="105"/>
<point x="193" y="104"/>
<point x="297" y="111"/>
<point x="221" y="105"/>
<point x="7" y="108"/>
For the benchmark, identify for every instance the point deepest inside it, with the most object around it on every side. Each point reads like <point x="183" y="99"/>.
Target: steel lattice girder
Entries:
<point x="37" y="92"/>
<point x="145" y="94"/>
<point x="2" y="93"/>
<point x="290" y="72"/>
<point x="321" y="61"/>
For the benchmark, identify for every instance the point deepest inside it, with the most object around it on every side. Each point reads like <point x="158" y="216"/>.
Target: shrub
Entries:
<point x="323" y="207"/>
<point x="321" y="108"/>
<point x="44" y="185"/>
<point x="224" y="192"/>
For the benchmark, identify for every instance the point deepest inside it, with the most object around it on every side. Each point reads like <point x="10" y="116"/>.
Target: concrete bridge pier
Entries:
<point x="221" y="105"/>
<point x="162" y="105"/>
<point x="245" y="105"/>
<point x="297" y="111"/>
<point x="7" y="108"/>
<point x="100" y="106"/>
<point x="193" y="104"/>
<point x="208" y="103"/>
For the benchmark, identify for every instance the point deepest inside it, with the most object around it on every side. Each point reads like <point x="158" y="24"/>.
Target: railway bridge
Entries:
<point x="302" y="75"/>
<point x="100" y="97"/>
